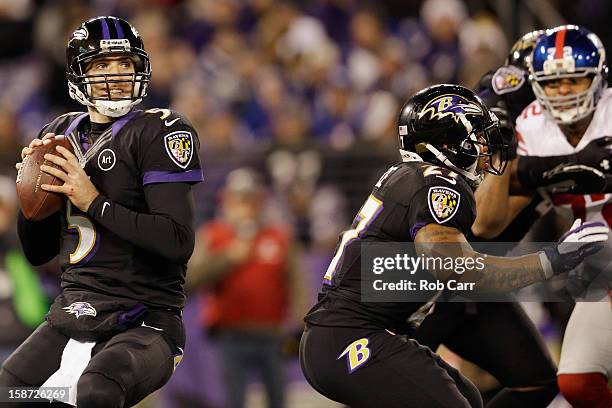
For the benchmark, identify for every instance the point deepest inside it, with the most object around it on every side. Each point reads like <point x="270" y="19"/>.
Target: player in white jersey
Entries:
<point x="563" y="146"/>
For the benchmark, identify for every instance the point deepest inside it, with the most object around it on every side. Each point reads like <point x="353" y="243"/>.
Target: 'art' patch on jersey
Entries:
<point x="507" y="79"/>
<point x="80" y="309"/>
<point x="179" y="146"/>
<point x="443" y="203"/>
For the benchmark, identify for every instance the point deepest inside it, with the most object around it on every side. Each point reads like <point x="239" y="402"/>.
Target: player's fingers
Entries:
<point x="46" y="142"/>
<point x="17" y="166"/>
<point x="35" y="142"/>
<point x="60" y="161"/>
<point x="576" y="223"/>
<point x="66" y="153"/>
<point x="54" y="171"/>
<point x="48" y="136"/>
<point x="25" y="151"/>
<point x="54" y="189"/>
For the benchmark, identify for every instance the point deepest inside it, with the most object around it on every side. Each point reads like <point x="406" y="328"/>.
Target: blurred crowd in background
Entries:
<point x="305" y="94"/>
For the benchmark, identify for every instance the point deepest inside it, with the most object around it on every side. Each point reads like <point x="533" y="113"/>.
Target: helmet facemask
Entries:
<point x="571" y="108"/>
<point x="80" y="84"/>
<point x="484" y="142"/>
<point x="449" y="124"/>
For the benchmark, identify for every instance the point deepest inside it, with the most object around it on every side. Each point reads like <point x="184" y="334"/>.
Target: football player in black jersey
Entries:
<point x="507" y="91"/>
<point x="508" y="87"/>
<point x="353" y="351"/>
<point x="466" y="328"/>
<point x="123" y="237"/>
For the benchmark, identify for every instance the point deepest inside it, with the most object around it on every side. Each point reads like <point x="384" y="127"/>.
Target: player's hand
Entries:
<point x="576" y="179"/>
<point x="30" y="147"/>
<point x="77" y="186"/>
<point x="582" y="240"/>
<point x="579" y="281"/>
<point x="597" y="154"/>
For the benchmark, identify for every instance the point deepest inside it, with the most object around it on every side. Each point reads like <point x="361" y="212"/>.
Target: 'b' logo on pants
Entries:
<point x="357" y="354"/>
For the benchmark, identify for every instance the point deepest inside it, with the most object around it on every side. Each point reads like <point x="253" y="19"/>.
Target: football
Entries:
<point x="36" y="203"/>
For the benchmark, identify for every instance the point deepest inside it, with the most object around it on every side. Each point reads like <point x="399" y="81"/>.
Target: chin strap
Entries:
<point x="473" y="179"/>
<point x="113" y="109"/>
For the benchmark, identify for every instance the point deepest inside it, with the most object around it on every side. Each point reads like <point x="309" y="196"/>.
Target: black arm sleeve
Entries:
<point x="596" y="154"/>
<point x="485" y="91"/>
<point x="167" y="230"/>
<point x="40" y="239"/>
<point x="530" y="169"/>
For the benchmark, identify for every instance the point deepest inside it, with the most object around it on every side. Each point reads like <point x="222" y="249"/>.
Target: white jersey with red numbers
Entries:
<point x="587" y="345"/>
<point x="539" y="135"/>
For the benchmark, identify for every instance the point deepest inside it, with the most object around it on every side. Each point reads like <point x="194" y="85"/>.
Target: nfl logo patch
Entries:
<point x="443" y="203"/>
<point x="179" y="146"/>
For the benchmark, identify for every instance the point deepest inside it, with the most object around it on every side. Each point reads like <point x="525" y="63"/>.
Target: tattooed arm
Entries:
<point x="500" y="274"/>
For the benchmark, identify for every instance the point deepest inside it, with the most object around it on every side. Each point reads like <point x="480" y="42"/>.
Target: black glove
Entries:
<point x="576" y="244"/>
<point x="597" y="154"/>
<point x="579" y="282"/>
<point x="577" y="179"/>
<point x="577" y="285"/>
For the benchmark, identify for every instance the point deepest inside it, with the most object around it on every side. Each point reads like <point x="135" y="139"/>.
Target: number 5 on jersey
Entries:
<point x="87" y="235"/>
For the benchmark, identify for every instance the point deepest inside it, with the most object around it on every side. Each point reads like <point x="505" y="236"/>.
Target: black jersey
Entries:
<point x="407" y="197"/>
<point x="509" y="85"/>
<point x="138" y="150"/>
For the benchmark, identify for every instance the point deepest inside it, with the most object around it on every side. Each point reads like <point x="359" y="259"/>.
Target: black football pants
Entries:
<point x="121" y="372"/>
<point x="375" y="368"/>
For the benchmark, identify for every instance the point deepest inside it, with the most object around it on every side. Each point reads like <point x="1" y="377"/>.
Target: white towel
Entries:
<point x="75" y="359"/>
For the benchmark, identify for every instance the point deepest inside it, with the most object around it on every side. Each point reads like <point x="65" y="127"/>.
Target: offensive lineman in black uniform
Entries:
<point x="123" y="237"/>
<point x="466" y="328"/>
<point x="446" y="135"/>
<point x="508" y="86"/>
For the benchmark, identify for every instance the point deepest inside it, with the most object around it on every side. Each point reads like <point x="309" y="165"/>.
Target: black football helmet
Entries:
<point x="450" y="125"/>
<point x="103" y="36"/>
<point x="521" y="51"/>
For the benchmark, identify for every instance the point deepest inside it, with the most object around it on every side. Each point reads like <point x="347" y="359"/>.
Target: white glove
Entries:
<point x="580" y="241"/>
